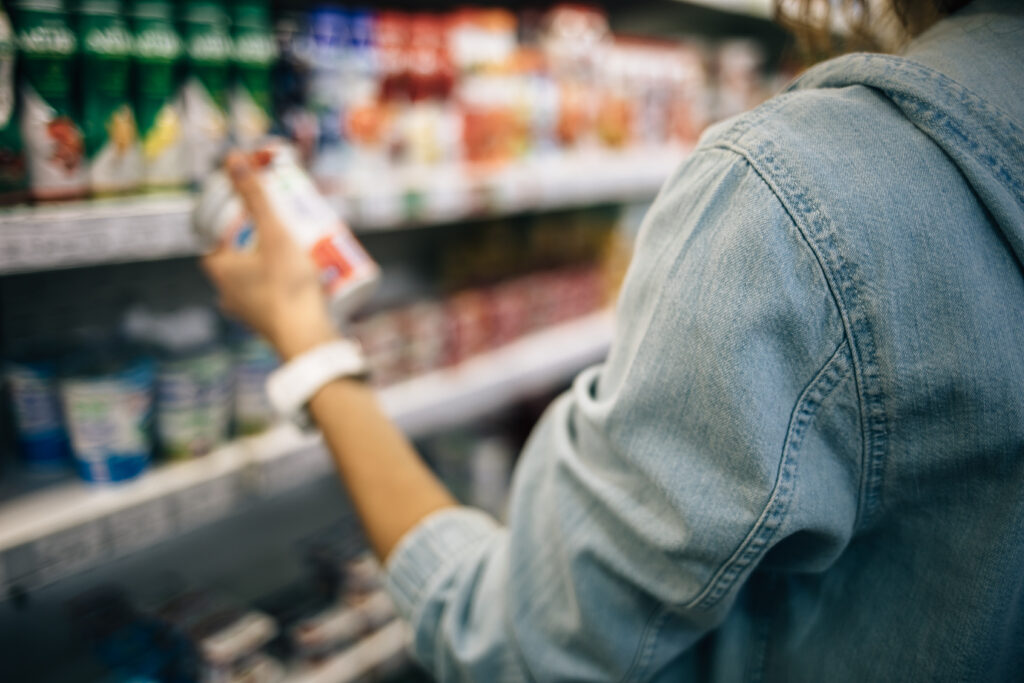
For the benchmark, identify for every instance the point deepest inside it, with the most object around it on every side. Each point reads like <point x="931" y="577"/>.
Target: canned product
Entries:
<point x="108" y="416"/>
<point x="34" y="398"/>
<point x="347" y="273"/>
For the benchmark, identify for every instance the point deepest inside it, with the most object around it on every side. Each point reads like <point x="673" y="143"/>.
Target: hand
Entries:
<point x="274" y="288"/>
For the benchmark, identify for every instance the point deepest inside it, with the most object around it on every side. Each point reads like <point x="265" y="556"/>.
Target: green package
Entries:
<point x="12" y="157"/>
<point x="254" y="54"/>
<point x="159" y="110"/>
<point x="108" y="120"/>
<point x="50" y="126"/>
<point x="207" y="87"/>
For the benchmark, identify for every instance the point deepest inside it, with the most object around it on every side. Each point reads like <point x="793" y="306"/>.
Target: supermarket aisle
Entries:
<point x="158" y="520"/>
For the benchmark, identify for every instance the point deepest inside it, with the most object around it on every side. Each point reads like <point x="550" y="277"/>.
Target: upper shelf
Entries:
<point x="146" y="228"/>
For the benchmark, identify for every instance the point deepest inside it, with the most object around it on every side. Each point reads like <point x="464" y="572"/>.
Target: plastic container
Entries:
<point x="254" y="361"/>
<point x="50" y="123"/>
<point x="207" y="90"/>
<point x="254" y="54"/>
<point x="108" y="119"/>
<point x="194" y="380"/>
<point x="12" y="158"/>
<point x="347" y="273"/>
<point x="109" y="409"/>
<point x="159" y="108"/>
<point x="193" y="398"/>
<point x="42" y="440"/>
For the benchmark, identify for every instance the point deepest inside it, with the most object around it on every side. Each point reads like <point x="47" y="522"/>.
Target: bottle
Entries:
<point x="159" y="111"/>
<point x="50" y="125"/>
<point x="111" y="137"/>
<point x="348" y="274"/>
<point x="207" y="86"/>
<point x="12" y="157"/>
<point x="254" y="54"/>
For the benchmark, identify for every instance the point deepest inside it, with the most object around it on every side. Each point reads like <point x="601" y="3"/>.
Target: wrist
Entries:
<point x="298" y="337"/>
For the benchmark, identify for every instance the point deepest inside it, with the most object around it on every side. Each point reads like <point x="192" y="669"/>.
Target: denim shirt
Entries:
<point x="803" y="459"/>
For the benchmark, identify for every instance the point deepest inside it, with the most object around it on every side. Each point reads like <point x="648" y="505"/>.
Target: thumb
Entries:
<point x="246" y="181"/>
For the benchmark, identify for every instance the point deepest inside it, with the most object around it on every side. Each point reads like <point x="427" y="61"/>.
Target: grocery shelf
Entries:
<point x="143" y="228"/>
<point x="65" y="528"/>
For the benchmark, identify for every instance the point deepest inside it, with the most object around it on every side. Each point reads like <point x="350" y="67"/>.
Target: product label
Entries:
<point x="254" y="361"/>
<point x="207" y="95"/>
<point x="35" y="402"/>
<point x="158" y="106"/>
<point x="12" y="161"/>
<point x="255" y="52"/>
<point x="108" y="420"/>
<point x="53" y="139"/>
<point x="194" y="403"/>
<point x="111" y="140"/>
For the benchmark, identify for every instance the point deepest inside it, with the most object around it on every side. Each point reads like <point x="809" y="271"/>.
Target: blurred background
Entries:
<point x="156" y="523"/>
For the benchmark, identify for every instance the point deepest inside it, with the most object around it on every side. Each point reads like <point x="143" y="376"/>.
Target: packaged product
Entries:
<point x="194" y="378"/>
<point x="50" y="124"/>
<point x="159" y="107"/>
<point x="108" y="407"/>
<point x="254" y="361"/>
<point x="227" y="637"/>
<point x="254" y="55"/>
<point x="42" y="439"/>
<point x="111" y="138"/>
<point x="324" y="50"/>
<point x="193" y="399"/>
<point x="348" y="274"/>
<point x="207" y="85"/>
<point x="12" y="157"/>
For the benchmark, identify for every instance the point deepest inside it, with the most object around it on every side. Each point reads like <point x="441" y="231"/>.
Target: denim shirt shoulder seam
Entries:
<point x="831" y="374"/>
<point x="806" y="408"/>
<point x="819" y="232"/>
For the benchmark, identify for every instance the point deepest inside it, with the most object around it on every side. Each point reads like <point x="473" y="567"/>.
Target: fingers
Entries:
<point x="247" y="184"/>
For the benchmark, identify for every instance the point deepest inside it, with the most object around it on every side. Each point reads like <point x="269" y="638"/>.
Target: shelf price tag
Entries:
<point x="140" y="526"/>
<point x="66" y="552"/>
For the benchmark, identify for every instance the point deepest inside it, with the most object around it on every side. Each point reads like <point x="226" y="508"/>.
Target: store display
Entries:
<point x="32" y="386"/>
<point x="108" y="118"/>
<point x="12" y="157"/>
<point x="159" y="105"/>
<point x="254" y="54"/>
<point x="108" y="405"/>
<point x="50" y="121"/>
<point x="516" y="133"/>
<point x="347" y="273"/>
<point x="207" y="90"/>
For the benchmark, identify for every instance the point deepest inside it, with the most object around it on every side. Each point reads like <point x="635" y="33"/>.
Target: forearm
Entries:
<point x="390" y="486"/>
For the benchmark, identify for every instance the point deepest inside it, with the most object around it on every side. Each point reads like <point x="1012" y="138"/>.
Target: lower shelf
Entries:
<point x="65" y="528"/>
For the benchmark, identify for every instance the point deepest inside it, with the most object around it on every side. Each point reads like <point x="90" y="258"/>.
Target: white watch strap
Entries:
<point x="292" y="385"/>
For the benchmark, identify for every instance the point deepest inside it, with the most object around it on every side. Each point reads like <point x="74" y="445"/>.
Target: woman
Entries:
<point x="804" y="456"/>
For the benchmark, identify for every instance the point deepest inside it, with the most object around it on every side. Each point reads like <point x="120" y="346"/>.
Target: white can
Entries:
<point x="347" y="273"/>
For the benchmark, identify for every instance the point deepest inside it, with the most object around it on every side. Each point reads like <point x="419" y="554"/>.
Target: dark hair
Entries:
<point x="866" y="25"/>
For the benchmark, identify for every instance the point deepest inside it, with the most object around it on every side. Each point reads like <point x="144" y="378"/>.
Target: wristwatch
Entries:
<point x="291" y="386"/>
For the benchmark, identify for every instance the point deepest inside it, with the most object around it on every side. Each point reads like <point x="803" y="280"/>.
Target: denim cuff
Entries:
<point x="437" y="542"/>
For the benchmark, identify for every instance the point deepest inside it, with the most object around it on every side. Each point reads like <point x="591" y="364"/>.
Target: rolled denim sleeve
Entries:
<point x="721" y="435"/>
